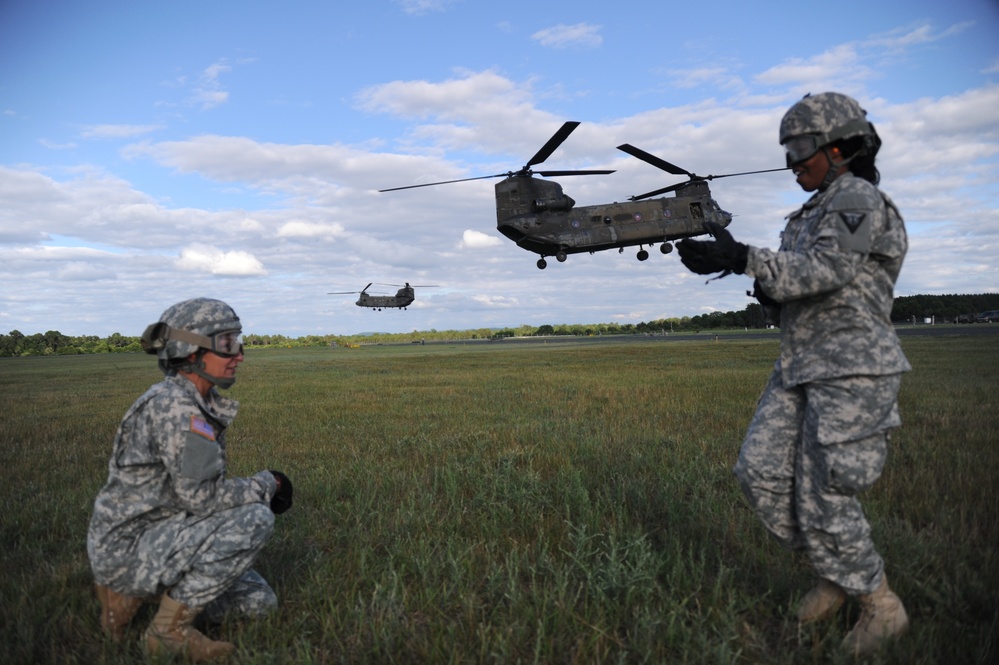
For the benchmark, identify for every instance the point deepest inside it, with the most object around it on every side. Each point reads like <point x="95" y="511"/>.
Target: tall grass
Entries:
<point x="513" y="504"/>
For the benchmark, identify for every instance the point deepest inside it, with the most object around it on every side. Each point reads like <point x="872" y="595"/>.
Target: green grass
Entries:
<point x="514" y="504"/>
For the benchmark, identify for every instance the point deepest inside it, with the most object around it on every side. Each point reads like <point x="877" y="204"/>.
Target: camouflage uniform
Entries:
<point x="819" y="435"/>
<point x="168" y="518"/>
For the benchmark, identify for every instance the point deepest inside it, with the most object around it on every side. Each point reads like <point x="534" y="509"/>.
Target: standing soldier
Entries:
<point x="821" y="428"/>
<point x="169" y="523"/>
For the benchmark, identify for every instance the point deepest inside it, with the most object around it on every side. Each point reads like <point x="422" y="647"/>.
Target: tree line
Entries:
<point x="906" y="309"/>
<point x="943" y="308"/>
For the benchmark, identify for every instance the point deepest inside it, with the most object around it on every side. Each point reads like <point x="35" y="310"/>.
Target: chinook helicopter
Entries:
<point x="540" y="218"/>
<point x="402" y="299"/>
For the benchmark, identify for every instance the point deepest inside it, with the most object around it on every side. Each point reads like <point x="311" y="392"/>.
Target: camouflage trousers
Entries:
<point x="203" y="561"/>
<point x="810" y="449"/>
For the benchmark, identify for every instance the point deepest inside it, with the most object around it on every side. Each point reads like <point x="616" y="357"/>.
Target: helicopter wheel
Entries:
<point x="666" y="248"/>
<point x="542" y="264"/>
<point x="561" y="256"/>
<point x="642" y="255"/>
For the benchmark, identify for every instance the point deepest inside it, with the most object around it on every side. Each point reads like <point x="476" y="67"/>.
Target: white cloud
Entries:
<point x="489" y="301"/>
<point x="208" y="93"/>
<point x="212" y="260"/>
<point x="841" y="65"/>
<point x="564" y="36"/>
<point x="471" y="239"/>
<point x="300" y="229"/>
<point x="117" y="131"/>
<point x="445" y="99"/>
<point x="52" y="145"/>
<point x="420" y="7"/>
<point x="83" y="272"/>
<point x="906" y="38"/>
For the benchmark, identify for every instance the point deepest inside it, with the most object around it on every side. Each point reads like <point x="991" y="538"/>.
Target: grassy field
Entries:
<point x="514" y="504"/>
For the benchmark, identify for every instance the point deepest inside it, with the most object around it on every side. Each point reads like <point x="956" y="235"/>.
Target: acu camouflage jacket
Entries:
<point x="834" y="276"/>
<point x="169" y="462"/>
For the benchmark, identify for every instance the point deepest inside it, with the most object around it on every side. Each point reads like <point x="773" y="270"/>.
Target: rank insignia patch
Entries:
<point x="853" y="220"/>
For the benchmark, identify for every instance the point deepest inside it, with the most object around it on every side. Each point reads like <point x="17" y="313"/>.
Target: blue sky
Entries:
<point x="153" y="152"/>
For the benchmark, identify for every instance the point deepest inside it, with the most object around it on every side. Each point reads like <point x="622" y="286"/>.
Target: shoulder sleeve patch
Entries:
<point x="201" y="426"/>
<point x="852" y="220"/>
<point x="854" y="230"/>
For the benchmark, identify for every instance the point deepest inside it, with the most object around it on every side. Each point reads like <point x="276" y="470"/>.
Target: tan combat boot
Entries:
<point x="117" y="610"/>
<point x="821" y="602"/>
<point x="882" y="616"/>
<point x="171" y="632"/>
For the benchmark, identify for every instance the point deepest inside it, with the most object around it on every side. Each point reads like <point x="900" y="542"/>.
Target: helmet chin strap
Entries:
<point x="834" y="168"/>
<point x="222" y="382"/>
<point x="198" y="367"/>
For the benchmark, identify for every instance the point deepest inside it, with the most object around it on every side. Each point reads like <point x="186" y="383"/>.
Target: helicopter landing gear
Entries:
<point x="642" y="255"/>
<point x="542" y="264"/>
<point x="666" y="248"/>
<point x="561" y="256"/>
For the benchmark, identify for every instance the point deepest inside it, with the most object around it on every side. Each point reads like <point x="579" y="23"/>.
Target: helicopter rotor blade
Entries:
<point x="664" y="190"/>
<point x="583" y="172"/>
<point x="553" y="143"/>
<point x="340" y="293"/>
<point x="546" y="150"/>
<point x="698" y="178"/>
<point x="446" y="182"/>
<point x="658" y="162"/>
<point x="413" y="286"/>
<point x="729" y="175"/>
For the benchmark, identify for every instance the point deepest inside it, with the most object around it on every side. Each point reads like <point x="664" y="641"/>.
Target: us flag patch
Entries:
<point x="201" y="426"/>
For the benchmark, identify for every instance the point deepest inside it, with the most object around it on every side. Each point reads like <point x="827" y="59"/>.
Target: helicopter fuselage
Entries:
<point x="403" y="298"/>
<point x="540" y="218"/>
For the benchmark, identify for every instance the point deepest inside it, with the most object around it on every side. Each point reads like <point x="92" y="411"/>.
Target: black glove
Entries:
<point x="771" y="308"/>
<point x="724" y="254"/>
<point x="281" y="501"/>
<point x="760" y="295"/>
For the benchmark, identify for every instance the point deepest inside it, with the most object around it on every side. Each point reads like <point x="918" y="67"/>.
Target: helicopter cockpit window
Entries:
<point x="695" y="211"/>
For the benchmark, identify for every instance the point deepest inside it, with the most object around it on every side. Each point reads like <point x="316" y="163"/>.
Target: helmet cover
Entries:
<point x="201" y="316"/>
<point x="828" y="117"/>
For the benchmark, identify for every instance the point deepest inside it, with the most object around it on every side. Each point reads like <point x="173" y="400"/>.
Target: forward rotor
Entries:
<point x="540" y="156"/>
<point x="343" y="293"/>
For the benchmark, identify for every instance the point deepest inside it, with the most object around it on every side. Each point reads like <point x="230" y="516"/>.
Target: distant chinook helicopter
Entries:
<point x="540" y="218"/>
<point x="402" y="299"/>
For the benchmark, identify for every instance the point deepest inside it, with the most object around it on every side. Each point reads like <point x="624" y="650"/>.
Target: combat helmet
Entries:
<point x="819" y="120"/>
<point x="192" y="327"/>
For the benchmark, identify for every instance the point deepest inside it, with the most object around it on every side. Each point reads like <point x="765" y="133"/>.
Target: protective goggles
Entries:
<point x="799" y="148"/>
<point x="227" y="344"/>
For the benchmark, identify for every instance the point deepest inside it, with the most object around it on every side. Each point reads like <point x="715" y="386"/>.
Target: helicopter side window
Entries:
<point x="695" y="211"/>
